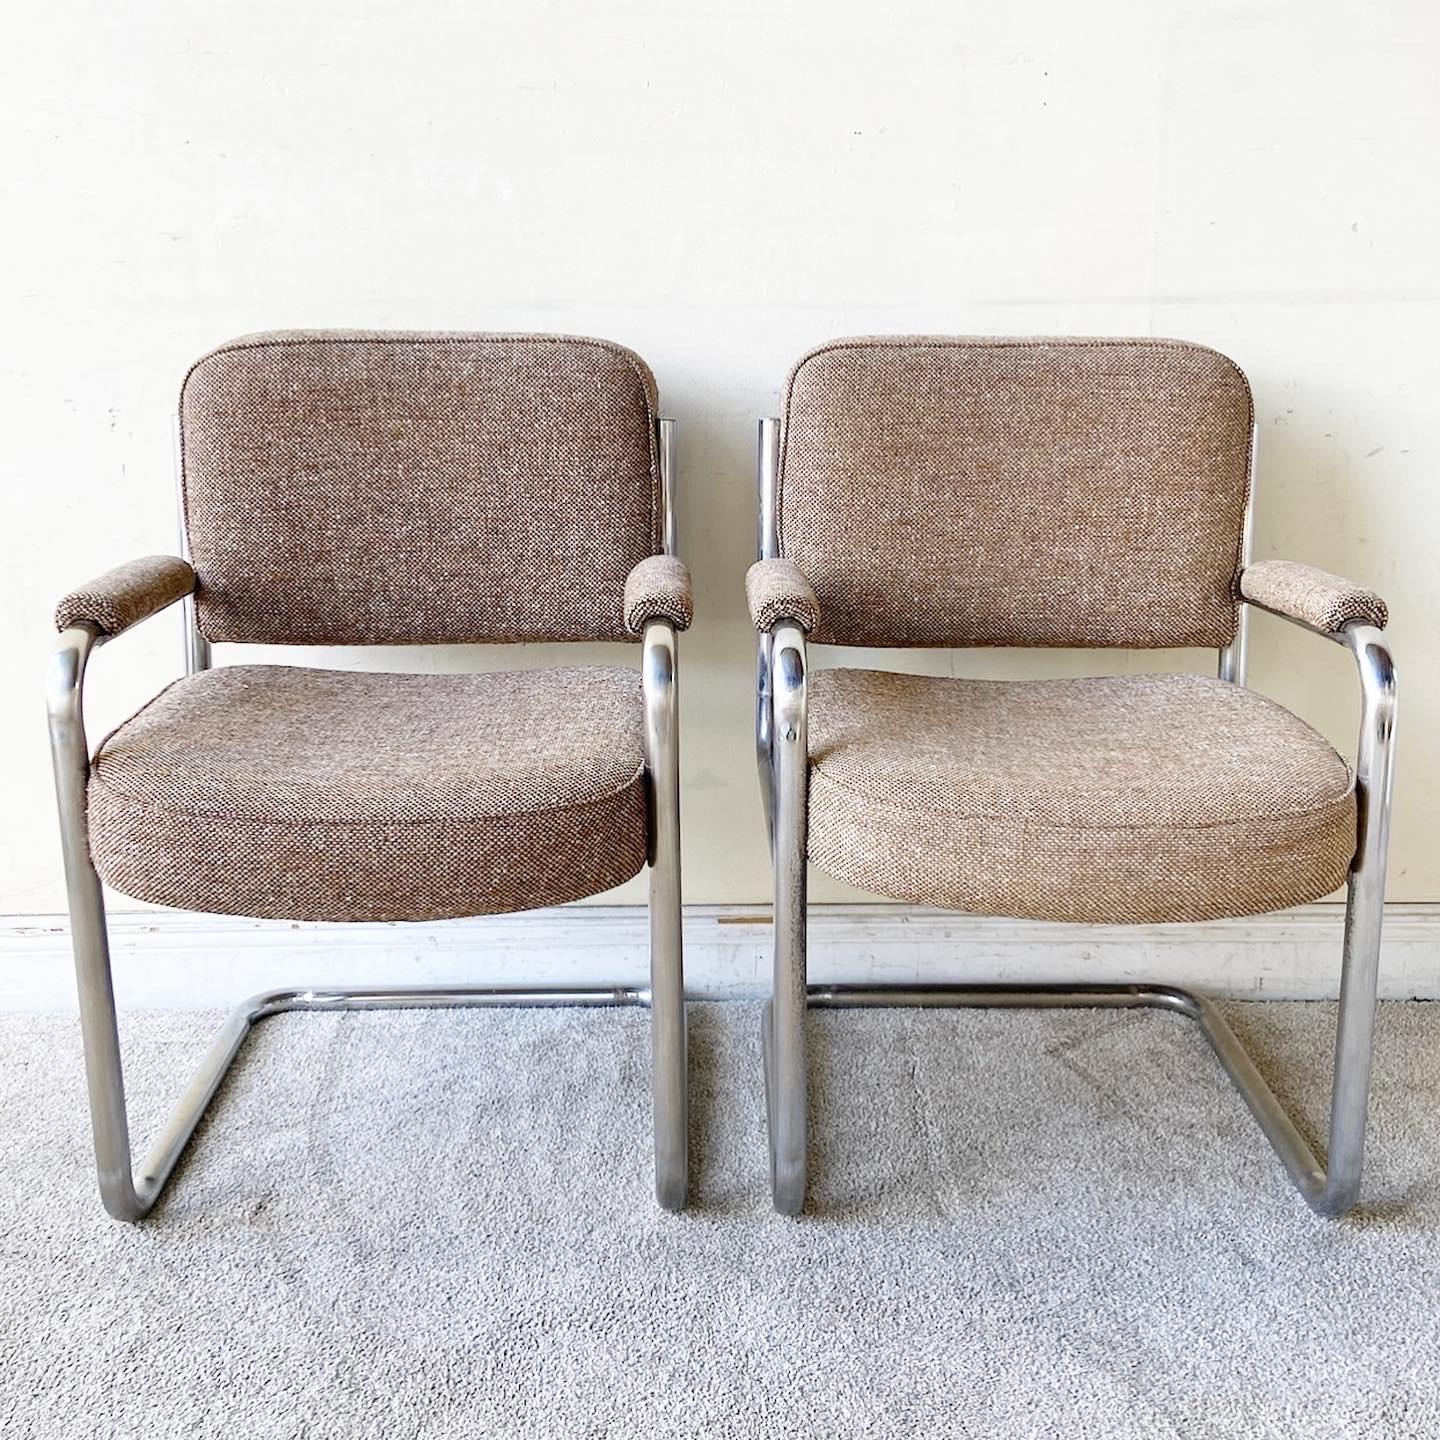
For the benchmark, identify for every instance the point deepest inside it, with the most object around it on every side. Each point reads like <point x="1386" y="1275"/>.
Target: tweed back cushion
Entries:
<point x="958" y="491"/>
<point x="394" y="488"/>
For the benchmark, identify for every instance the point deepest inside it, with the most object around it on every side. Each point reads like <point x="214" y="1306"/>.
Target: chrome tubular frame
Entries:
<point x="1330" y="1189"/>
<point x="782" y="749"/>
<point x="783" y="1019"/>
<point x="1235" y="657"/>
<point x="669" y="1067"/>
<point x="196" y="652"/>
<point x="129" y="1192"/>
<point x="768" y="548"/>
<point x="665" y="451"/>
<point x="669" y="1049"/>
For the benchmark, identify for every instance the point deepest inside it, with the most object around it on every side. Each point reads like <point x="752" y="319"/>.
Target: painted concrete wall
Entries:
<point x="722" y="186"/>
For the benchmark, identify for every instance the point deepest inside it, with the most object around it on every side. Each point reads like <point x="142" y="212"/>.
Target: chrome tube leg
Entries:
<point x="1364" y="913"/>
<point x="783" y="1023"/>
<point x="669" y="1042"/>
<point x="103" y="1074"/>
<point x="104" y="1077"/>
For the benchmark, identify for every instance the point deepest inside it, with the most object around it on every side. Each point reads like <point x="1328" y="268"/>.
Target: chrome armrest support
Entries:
<point x="1375" y="750"/>
<point x="1374" y="761"/>
<point x="1376" y="666"/>
<point x="659" y="680"/>
<point x="783" y="1027"/>
<point x="659" y="683"/>
<point x="781" y="706"/>
<point x="65" y="701"/>
<point x="764" y="727"/>
<point x="1364" y="913"/>
<point x="788" y="683"/>
<point x="65" y="711"/>
<point x="70" y="752"/>
<point x="1334" y="1189"/>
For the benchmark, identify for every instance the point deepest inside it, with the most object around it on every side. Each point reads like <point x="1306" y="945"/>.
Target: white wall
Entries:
<point x="721" y="186"/>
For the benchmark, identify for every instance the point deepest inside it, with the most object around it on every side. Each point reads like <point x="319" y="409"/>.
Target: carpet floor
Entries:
<point x="439" y="1225"/>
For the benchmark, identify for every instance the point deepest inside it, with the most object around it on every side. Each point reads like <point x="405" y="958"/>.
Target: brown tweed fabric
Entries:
<point x="325" y="795"/>
<point x="777" y="590"/>
<point x="124" y="596"/>
<point x="1307" y="593"/>
<point x="957" y="491"/>
<point x="659" y="588"/>
<point x="1141" y="798"/>
<point x="417" y="488"/>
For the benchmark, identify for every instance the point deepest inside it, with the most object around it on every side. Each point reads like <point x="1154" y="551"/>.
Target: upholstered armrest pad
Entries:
<point x="778" y="591"/>
<point x="124" y="596"/>
<point x="1312" y="596"/>
<point x="659" y="589"/>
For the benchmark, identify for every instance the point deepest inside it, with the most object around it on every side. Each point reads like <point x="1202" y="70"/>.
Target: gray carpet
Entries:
<point x="439" y="1225"/>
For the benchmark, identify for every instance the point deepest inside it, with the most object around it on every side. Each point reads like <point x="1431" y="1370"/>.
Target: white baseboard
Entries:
<point x="168" y="959"/>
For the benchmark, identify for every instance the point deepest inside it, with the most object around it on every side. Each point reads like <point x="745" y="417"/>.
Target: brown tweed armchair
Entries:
<point x="343" y="488"/>
<point x="965" y="492"/>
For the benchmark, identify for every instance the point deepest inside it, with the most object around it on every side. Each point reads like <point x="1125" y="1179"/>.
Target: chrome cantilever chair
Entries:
<point x="989" y="492"/>
<point x="342" y="488"/>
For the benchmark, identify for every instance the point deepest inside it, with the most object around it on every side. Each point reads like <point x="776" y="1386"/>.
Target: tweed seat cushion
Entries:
<point x="1139" y="798"/>
<point x="304" y="794"/>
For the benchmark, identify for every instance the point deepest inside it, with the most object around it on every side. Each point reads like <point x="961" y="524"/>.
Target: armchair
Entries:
<point x="371" y="488"/>
<point x="972" y="492"/>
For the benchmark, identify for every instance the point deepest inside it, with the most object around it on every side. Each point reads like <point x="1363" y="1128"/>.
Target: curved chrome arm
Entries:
<point x="64" y="685"/>
<point x="785" y="743"/>
<point x="128" y="1194"/>
<point x="659" y="679"/>
<point x="1374" y="762"/>
<point x="69" y="749"/>
<point x="789" y="685"/>
<point x="783" y="1029"/>
<point x="659" y="685"/>
<point x="1334" y="1188"/>
<point x="764" y="717"/>
<point x="64" y="705"/>
<point x="1374" y="758"/>
<point x="1374" y="755"/>
<point x="1364" y="915"/>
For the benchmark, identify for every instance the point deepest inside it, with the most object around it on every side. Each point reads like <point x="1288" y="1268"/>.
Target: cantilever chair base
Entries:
<point x="130" y="1195"/>
<point x="1308" y="1174"/>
